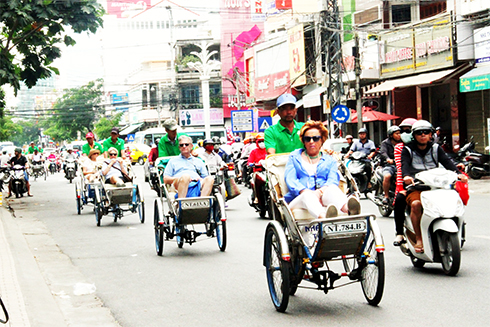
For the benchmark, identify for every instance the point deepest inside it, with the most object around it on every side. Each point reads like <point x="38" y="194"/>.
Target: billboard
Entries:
<point x="482" y="44"/>
<point x="423" y="48"/>
<point x="195" y="117"/>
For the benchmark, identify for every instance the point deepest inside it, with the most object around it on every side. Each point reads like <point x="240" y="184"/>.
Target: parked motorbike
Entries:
<point x="358" y="168"/>
<point x="478" y="165"/>
<point x="19" y="185"/>
<point x="442" y="222"/>
<point x="70" y="169"/>
<point x="260" y="197"/>
<point x="377" y="186"/>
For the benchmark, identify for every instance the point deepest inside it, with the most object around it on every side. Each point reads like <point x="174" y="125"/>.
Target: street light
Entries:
<point x="205" y="67"/>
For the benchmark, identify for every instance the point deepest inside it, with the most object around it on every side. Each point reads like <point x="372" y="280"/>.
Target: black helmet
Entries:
<point x="362" y="130"/>
<point x="216" y="140"/>
<point x="207" y="142"/>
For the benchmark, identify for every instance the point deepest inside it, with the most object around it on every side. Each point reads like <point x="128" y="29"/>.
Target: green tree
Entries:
<point x="24" y="132"/>
<point x="104" y="125"/>
<point x="32" y="30"/>
<point x="76" y="110"/>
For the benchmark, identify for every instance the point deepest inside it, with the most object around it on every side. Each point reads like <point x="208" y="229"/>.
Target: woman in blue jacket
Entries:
<point x="313" y="179"/>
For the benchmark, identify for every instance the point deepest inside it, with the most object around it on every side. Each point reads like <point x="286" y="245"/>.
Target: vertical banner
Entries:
<point x="297" y="63"/>
<point x="284" y="4"/>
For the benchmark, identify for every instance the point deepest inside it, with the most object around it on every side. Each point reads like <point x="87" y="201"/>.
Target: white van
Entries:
<point x="148" y="136"/>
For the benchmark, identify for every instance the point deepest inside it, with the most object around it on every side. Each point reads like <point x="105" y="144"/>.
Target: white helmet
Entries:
<point x="420" y="125"/>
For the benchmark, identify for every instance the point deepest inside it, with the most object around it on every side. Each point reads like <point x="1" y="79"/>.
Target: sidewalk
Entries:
<point x="39" y="285"/>
<point x="481" y="186"/>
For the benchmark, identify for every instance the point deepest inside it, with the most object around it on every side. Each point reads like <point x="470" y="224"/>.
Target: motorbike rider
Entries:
<point x="283" y="137"/>
<point x="91" y="144"/>
<point x="400" y="194"/>
<point x="69" y="155"/>
<point x="199" y="149"/>
<point x="153" y="155"/>
<point x="419" y="155"/>
<point x="19" y="159"/>
<point x="386" y="152"/>
<point x="114" y="142"/>
<point x="437" y="136"/>
<point x="257" y="157"/>
<point x="349" y="140"/>
<point x="365" y="145"/>
<point x="218" y="150"/>
<point x="212" y="159"/>
<point x="169" y="144"/>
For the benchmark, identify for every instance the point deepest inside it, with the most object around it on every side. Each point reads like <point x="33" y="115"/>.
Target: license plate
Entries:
<point x="345" y="227"/>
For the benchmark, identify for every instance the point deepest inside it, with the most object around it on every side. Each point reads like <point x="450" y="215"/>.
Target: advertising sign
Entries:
<point x="297" y="65"/>
<point x="482" y="44"/>
<point x="423" y="48"/>
<point x="195" y="117"/>
<point x="242" y="121"/>
<point x="272" y="86"/>
<point x="119" y="98"/>
<point x="127" y="8"/>
<point x="284" y="4"/>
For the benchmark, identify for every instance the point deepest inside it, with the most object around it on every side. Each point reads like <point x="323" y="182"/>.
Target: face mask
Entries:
<point x="406" y="137"/>
<point x="209" y="148"/>
<point x="261" y="145"/>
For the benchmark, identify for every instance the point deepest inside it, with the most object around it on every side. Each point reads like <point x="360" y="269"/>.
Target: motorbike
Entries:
<point x="442" y="223"/>
<point x="37" y="170"/>
<point x="260" y="197"/>
<point x="377" y="186"/>
<point x="478" y="165"/>
<point x="19" y="185"/>
<point x="70" y="169"/>
<point x="52" y="166"/>
<point x="358" y="167"/>
<point x="4" y="177"/>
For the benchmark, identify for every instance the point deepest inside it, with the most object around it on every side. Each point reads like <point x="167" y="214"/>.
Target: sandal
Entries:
<point x="399" y="240"/>
<point x="30" y="195"/>
<point x="419" y="248"/>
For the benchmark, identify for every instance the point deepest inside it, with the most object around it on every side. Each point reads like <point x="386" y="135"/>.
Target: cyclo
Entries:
<point x="176" y="217"/>
<point x="353" y="242"/>
<point x="113" y="199"/>
<point x="85" y="191"/>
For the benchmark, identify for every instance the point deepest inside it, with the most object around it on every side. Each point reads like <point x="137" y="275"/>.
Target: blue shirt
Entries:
<point x="367" y="147"/>
<point x="179" y="165"/>
<point x="298" y="179"/>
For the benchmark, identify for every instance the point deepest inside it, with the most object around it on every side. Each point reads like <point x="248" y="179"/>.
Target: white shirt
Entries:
<point x="4" y="160"/>
<point x="213" y="161"/>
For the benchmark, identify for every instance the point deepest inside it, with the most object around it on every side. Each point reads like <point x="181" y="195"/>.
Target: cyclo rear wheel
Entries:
<point x="373" y="274"/>
<point x="220" y="225"/>
<point x="277" y="270"/>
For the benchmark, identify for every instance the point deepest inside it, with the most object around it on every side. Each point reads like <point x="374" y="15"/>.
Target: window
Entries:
<point x="432" y="8"/>
<point x="400" y="14"/>
<point x="190" y="94"/>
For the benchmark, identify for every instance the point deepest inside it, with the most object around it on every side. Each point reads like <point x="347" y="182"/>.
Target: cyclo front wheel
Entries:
<point x="220" y="225"/>
<point x="373" y="274"/>
<point x="277" y="270"/>
<point x="159" y="228"/>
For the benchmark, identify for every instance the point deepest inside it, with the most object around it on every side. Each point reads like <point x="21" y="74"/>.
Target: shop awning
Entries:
<point x="476" y="79"/>
<point x="422" y="79"/>
<point x="130" y="129"/>
<point x="313" y="99"/>
<point x="299" y="103"/>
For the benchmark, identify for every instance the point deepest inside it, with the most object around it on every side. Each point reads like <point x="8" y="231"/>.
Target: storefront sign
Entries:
<point x="424" y="48"/>
<point x="482" y="44"/>
<point x="272" y="86"/>
<point x="297" y="63"/>
<point x="127" y="8"/>
<point x="476" y="83"/>
<point x="195" y="117"/>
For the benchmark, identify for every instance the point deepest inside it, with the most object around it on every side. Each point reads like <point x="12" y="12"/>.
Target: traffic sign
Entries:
<point x="130" y="138"/>
<point x="242" y="121"/>
<point x="340" y="113"/>
<point x="264" y="123"/>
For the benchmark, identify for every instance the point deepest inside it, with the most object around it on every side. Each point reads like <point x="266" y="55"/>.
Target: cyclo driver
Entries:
<point x="419" y="155"/>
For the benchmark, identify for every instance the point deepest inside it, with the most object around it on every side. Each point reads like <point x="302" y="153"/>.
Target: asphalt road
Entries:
<point x="199" y="285"/>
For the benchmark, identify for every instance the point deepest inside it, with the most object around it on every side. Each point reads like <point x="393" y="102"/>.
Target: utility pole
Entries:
<point x="237" y="79"/>
<point x="332" y="29"/>
<point x="357" y="70"/>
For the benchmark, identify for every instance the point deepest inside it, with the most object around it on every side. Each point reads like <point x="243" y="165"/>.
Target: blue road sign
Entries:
<point x="130" y="137"/>
<point x="264" y="123"/>
<point x="340" y="114"/>
<point x="242" y="121"/>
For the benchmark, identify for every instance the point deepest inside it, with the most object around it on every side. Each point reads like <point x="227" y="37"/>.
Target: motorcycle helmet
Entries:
<point x="421" y="125"/>
<point x="216" y="140"/>
<point x="157" y="140"/>
<point x="19" y="150"/>
<point x="407" y="122"/>
<point x="362" y="130"/>
<point x="392" y="130"/>
<point x="349" y="137"/>
<point x="207" y="142"/>
<point x="238" y="139"/>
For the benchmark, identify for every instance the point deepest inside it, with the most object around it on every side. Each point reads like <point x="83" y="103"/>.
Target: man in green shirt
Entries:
<point x="283" y="137"/>
<point x="169" y="144"/>
<point x="91" y="144"/>
<point x="114" y="142"/>
<point x="31" y="148"/>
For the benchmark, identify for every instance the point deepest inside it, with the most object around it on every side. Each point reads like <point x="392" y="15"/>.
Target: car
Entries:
<point x="139" y="152"/>
<point x="335" y="144"/>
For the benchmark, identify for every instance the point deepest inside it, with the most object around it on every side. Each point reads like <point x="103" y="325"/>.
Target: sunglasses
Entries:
<point x="424" y="131"/>
<point x="315" y="138"/>
<point x="184" y="144"/>
<point x="112" y="154"/>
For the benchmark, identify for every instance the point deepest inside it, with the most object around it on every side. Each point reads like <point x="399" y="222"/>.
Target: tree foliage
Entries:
<point x="76" y="110"/>
<point x="104" y="125"/>
<point x="31" y="32"/>
<point x="23" y="132"/>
